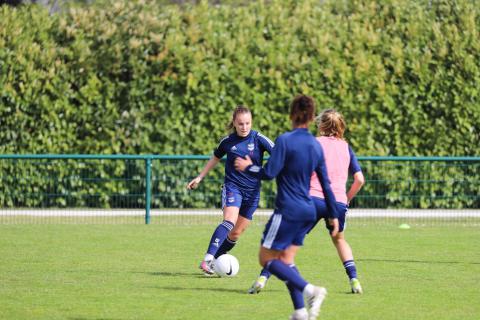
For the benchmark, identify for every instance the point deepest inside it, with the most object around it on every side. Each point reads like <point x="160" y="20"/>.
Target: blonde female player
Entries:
<point x="341" y="161"/>
<point x="240" y="192"/>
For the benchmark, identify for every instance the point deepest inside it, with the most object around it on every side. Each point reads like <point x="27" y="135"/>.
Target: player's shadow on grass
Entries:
<point x="414" y="261"/>
<point x="239" y="291"/>
<point x="174" y="274"/>
<point x="194" y="275"/>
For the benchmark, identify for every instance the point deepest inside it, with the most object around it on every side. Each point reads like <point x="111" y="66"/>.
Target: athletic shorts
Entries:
<point x="280" y="233"/>
<point x="322" y="213"/>
<point x="232" y="196"/>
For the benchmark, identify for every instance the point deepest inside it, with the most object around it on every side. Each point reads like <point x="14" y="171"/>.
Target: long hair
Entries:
<point x="238" y="110"/>
<point x="331" y="123"/>
<point x="302" y="109"/>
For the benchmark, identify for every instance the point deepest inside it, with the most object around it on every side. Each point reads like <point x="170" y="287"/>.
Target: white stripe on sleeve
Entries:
<point x="270" y="142"/>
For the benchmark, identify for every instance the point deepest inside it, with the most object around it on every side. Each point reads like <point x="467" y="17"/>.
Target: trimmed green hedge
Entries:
<point x="136" y="77"/>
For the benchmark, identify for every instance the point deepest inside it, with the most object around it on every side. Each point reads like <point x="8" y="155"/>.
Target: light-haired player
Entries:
<point x="240" y="191"/>
<point x="295" y="156"/>
<point x="341" y="161"/>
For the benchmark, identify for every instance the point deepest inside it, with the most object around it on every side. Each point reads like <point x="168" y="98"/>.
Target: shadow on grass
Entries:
<point x="194" y="275"/>
<point x="238" y="291"/>
<point x="348" y="293"/>
<point x="82" y="318"/>
<point x="175" y="274"/>
<point x="415" y="261"/>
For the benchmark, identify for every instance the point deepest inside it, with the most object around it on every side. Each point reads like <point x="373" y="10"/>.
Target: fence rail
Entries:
<point x="144" y="183"/>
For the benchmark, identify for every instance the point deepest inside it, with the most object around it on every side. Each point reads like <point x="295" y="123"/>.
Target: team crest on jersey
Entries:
<point x="251" y="146"/>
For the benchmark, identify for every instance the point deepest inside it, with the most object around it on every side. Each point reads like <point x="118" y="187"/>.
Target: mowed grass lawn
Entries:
<point x="88" y="272"/>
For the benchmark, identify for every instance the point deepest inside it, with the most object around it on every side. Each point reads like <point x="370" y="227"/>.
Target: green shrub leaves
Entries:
<point x="139" y="77"/>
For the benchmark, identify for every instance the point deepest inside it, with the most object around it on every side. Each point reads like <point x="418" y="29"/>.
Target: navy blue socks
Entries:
<point x="286" y="273"/>
<point x="218" y="236"/>
<point x="350" y="269"/>
<point x="226" y="246"/>
<point x="295" y="294"/>
<point x="265" y="273"/>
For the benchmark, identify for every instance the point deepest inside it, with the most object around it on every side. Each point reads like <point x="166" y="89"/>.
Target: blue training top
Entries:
<point x="293" y="159"/>
<point x="254" y="145"/>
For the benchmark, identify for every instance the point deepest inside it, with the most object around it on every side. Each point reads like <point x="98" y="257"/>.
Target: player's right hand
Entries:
<point x="194" y="183"/>
<point x="241" y="164"/>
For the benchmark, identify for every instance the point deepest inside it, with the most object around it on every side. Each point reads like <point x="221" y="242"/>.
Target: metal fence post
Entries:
<point x="148" y="188"/>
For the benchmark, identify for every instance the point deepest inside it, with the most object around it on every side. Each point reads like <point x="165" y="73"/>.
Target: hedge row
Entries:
<point x="61" y="183"/>
<point x="138" y="77"/>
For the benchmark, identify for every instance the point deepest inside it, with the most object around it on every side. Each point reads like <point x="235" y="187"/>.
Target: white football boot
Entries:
<point x="315" y="302"/>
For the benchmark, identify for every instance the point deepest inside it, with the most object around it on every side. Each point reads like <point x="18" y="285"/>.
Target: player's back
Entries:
<point x="301" y="156"/>
<point x="337" y="158"/>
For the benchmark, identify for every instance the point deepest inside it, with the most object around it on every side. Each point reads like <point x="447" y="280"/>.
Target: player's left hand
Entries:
<point x="241" y="164"/>
<point x="334" y="226"/>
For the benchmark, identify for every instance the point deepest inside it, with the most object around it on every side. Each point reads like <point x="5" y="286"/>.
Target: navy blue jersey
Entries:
<point x="254" y="145"/>
<point x="293" y="159"/>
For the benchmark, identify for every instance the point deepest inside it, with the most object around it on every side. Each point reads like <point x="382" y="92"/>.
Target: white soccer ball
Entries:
<point x="226" y="266"/>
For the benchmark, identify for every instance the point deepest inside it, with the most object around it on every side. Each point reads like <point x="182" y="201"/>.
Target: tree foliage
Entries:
<point x="138" y="77"/>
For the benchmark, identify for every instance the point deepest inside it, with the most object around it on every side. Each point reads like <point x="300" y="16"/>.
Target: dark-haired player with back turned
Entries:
<point x="293" y="159"/>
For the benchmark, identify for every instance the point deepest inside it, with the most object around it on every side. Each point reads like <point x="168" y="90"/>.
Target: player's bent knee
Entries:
<point x="234" y="235"/>
<point x="338" y="238"/>
<point x="287" y="260"/>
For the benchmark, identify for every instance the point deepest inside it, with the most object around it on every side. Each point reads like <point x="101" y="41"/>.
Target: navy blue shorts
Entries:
<point x="280" y="233"/>
<point x="322" y="213"/>
<point x="232" y="196"/>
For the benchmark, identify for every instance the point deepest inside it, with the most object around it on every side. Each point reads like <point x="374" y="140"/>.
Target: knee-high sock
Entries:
<point x="295" y="294"/>
<point x="226" y="246"/>
<point x="285" y="273"/>
<point x="218" y="236"/>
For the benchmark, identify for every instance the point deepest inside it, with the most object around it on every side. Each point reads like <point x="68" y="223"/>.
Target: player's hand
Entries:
<point x="241" y="164"/>
<point x="334" y="226"/>
<point x="194" y="183"/>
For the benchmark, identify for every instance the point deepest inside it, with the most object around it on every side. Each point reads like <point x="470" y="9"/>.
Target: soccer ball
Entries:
<point x="226" y="265"/>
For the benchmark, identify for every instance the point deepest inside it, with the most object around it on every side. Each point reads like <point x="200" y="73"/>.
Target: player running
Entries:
<point x="240" y="191"/>
<point x="295" y="156"/>
<point x="341" y="161"/>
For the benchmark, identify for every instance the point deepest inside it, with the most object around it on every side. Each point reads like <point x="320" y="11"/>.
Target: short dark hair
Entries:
<point x="302" y="109"/>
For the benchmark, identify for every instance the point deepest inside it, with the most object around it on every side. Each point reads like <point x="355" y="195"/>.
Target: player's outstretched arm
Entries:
<point x="209" y="166"/>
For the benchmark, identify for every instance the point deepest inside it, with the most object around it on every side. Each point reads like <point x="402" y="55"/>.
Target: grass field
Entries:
<point x="87" y="272"/>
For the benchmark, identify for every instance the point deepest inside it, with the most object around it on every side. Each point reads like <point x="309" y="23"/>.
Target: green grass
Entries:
<point x="87" y="272"/>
